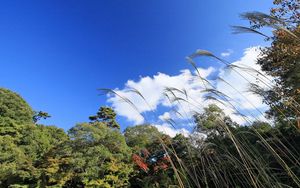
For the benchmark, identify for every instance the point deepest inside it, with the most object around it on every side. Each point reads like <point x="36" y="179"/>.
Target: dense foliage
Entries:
<point x="282" y="59"/>
<point x="23" y="143"/>
<point x="14" y="108"/>
<point x="95" y="156"/>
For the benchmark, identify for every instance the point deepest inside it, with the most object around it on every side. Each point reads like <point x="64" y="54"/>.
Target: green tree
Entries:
<point x="152" y="154"/>
<point x="141" y="136"/>
<point x="15" y="167"/>
<point x="14" y="113"/>
<point x="40" y="115"/>
<point x="261" y="126"/>
<point x="222" y="159"/>
<point x="95" y="156"/>
<point x="22" y="143"/>
<point x="282" y="59"/>
<point x="14" y="107"/>
<point x="106" y="115"/>
<point x="21" y="158"/>
<point x="213" y="120"/>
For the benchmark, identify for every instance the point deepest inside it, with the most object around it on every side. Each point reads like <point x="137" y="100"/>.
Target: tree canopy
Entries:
<point x="14" y="107"/>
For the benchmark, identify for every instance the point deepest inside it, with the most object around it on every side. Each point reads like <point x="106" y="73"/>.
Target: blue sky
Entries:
<point x="57" y="53"/>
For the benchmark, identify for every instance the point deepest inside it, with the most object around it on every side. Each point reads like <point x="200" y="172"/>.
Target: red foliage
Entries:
<point x="140" y="162"/>
<point x="145" y="153"/>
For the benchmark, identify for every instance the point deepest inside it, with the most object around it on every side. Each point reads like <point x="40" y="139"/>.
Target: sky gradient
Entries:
<point x="57" y="53"/>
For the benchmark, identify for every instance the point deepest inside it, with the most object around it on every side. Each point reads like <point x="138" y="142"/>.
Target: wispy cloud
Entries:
<point x="227" y="53"/>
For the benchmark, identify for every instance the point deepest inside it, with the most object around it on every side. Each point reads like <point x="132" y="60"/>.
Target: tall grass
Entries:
<point x="245" y="158"/>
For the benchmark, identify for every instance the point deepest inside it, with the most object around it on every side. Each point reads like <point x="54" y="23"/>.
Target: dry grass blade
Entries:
<point x="216" y="92"/>
<point x="262" y="17"/>
<point x="214" y="99"/>
<point x="200" y="52"/>
<point x="141" y="95"/>
<point x="267" y="20"/>
<point x="242" y="29"/>
<point x="110" y="91"/>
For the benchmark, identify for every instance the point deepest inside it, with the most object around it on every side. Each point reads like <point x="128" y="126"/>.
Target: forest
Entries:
<point x="218" y="152"/>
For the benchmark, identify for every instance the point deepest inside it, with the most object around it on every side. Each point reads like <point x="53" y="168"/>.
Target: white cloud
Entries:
<point x="227" y="53"/>
<point x="169" y="130"/>
<point x="238" y="83"/>
<point x="152" y="89"/>
<point x="191" y="95"/>
<point x="165" y="116"/>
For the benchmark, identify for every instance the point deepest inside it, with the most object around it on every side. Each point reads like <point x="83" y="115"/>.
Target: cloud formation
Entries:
<point x="235" y="82"/>
<point x="152" y="89"/>
<point x="185" y="94"/>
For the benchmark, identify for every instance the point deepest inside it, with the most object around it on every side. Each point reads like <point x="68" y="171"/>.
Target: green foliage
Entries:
<point x="10" y="127"/>
<point x="38" y="140"/>
<point x="141" y="136"/>
<point x="22" y="144"/>
<point x="107" y="116"/>
<point x="12" y="106"/>
<point x="40" y="115"/>
<point x="20" y="157"/>
<point x="261" y="126"/>
<point x="212" y="120"/>
<point x="95" y="156"/>
<point x="14" y="163"/>
<point x="32" y="155"/>
<point x="211" y="117"/>
<point x="261" y="152"/>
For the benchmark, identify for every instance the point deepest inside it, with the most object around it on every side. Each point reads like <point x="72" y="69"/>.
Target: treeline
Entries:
<point x="96" y="154"/>
<point x="92" y="154"/>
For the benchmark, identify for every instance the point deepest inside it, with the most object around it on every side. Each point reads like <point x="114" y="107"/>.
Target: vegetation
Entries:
<point x="218" y="153"/>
